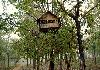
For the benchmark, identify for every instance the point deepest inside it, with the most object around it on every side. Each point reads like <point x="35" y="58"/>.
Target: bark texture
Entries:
<point x="78" y="27"/>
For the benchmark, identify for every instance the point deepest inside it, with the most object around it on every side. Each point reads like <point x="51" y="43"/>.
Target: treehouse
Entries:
<point x="48" y="21"/>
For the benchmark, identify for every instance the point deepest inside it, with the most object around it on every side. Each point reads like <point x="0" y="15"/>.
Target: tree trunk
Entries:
<point x="61" y="57"/>
<point x="94" y="56"/>
<point x="8" y="61"/>
<point x="81" y="49"/>
<point x="27" y="56"/>
<point x="46" y="58"/>
<point x="67" y="62"/>
<point x="38" y="62"/>
<point x="30" y="60"/>
<point x="51" y="67"/>
<point x="34" y="64"/>
<point x="27" y="60"/>
<point x="60" y="65"/>
<point x="78" y="27"/>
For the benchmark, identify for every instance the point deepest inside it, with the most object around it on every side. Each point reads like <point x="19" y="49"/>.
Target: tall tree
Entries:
<point x="37" y="7"/>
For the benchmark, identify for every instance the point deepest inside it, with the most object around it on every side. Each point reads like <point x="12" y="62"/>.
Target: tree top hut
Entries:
<point x="48" y="21"/>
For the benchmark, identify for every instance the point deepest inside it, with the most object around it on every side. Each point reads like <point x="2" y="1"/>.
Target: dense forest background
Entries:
<point x="76" y="44"/>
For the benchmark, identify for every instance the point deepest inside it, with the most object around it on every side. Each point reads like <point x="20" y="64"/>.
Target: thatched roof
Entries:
<point x="48" y="12"/>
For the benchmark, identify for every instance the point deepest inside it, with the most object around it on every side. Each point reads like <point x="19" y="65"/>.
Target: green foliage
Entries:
<point x="35" y="44"/>
<point x="90" y="19"/>
<point x="8" y="22"/>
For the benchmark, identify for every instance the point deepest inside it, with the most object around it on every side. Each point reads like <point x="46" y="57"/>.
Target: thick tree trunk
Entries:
<point x="78" y="27"/>
<point x="81" y="49"/>
<point x="51" y="65"/>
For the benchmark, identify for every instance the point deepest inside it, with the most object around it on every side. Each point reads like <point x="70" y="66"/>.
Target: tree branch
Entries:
<point x="68" y="13"/>
<point x="89" y="10"/>
<point x="35" y="18"/>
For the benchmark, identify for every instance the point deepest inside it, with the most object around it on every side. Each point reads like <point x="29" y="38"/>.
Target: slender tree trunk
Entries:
<point x="61" y="62"/>
<point x="78" y="27"/>
<point x="60" y="65"/>
<point x="52" y="6"/>
<point x="46" y="58"/>
<point x="34" y="64"/>
<point x="30" y="60"/>
<point x="94" y="56"/>
<point x="48" y="5"/>
<point x="8" y="60"/>
<point x="51" y="67"/>
<point x="94" y="59"/>
<point x="38" y="62"/>
<point x="27" y="60"/>
<point x="27" y="57"/>
<point x="4" y="63"/>
<point x="67" y="62"/>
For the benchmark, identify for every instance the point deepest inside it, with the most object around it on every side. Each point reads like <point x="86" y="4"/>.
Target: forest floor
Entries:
<point x="20" y="67"/>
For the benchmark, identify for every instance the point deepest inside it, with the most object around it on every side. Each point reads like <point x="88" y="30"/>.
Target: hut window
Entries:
<point x="43" y="21"/>
<point x="51" y="21"/>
